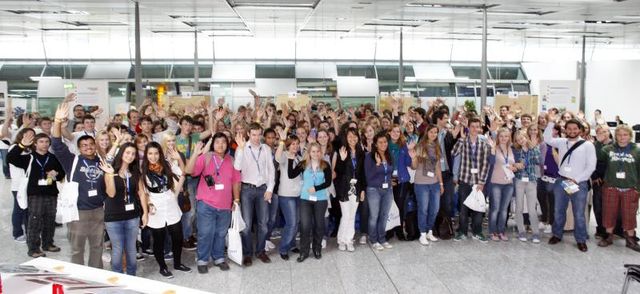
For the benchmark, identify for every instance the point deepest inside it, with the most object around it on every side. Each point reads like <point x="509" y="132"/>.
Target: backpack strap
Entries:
<point x="574" y="147"/>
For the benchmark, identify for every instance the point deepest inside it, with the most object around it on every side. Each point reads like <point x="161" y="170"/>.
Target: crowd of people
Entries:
<point x="165" y="180"/>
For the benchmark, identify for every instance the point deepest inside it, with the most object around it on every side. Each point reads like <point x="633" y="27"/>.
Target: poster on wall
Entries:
<point x="405" y="99"/>
<point x="299" y="100"/>
<point x="521" y="103"/>
<point x="187" y="103"/>
<point x="561" y="94"/>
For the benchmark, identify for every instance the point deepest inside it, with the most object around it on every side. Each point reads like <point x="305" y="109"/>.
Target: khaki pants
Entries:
<point x="90" y="226"/>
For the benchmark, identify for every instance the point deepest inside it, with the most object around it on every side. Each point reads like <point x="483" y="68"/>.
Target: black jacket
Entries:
<point x="449" y="142"/>
<point x="50" y="163"/>
<point x="344" y="174"/>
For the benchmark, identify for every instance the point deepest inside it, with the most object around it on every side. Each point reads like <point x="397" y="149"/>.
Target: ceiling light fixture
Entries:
<point x="455" y="6"/>
<point x="294" y="5"/>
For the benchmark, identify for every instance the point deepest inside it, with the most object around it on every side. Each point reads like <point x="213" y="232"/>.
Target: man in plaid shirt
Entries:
<point x="474" y="170"/>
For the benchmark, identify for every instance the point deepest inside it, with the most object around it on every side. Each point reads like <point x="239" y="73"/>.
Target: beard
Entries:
<point x="572" y="136"/>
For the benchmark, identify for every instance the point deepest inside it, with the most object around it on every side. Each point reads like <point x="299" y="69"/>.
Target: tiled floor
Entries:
<point x="443" y="267"/>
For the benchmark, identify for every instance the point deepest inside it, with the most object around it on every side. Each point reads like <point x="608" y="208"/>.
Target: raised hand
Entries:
<point x="411" y="145"/>
<point x="70" y="97"/>
<point x="26" y="120"/>
<point x="283" y="133"/>
<point x="343" y="153"/>
<point x="198" y="149"/>
<point x="220" y="114"/>
<point x="378" y="159"/>
<point x="253" y="93"/>
<point x="118" y="135"/>
<point x="412" y="153"/>
<point x="27" y="139"/>
<point x="105" y="167"/>
<point x="240" y="140"/>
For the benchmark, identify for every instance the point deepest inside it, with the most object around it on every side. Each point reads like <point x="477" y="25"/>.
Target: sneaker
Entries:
<point x="107" y="245"/>
<point x="21" y="239"/>
<point x="504" y="237"/>
<point x="547" y="229"/>
<point x="193" y="240"/>
<point x="269" y="245"/>
<point x="203" y="269"/>
<point x="223" y="266"/>
<point x="377" y="246"/>
<point x="147" y="252"/>
<point x="480" y="237"/>
<point x="460" y="236"/>
<point x="522" y="237"/>
<point x="51" y="248"/>
<point x="541" y="226"/>
<point x="37" y="254"/>
<point x="166" y="273"/>
<point x="423" y="239"/>
<point x="324" y="243"/>
<point x="106" y="257"/>
<point x="495" y="237"/>
<point x="342" y="247"/>
<point x="363" y="240"/>
<point x="168" y="256"/>
<point x="182" y="268"/>
<point x="139" y="256"/>
<point x="188" y="245"/>
<point x="350" y="247"/>
<point x="535" y="239"/>
<point x="387" y="245"/>
<point x="431" y="237"/>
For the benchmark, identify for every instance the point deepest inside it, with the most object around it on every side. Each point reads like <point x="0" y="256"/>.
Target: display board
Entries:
<point x="561" y="94"/>
<point x="186" y="102"/>
<point x="299" y="100"/>
<point x="405" y="99"/>
<point x="524" y="103"/>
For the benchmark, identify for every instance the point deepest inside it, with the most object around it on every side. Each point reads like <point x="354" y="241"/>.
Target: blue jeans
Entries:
<point x="212" y="224"/>
<point x="188" y="217"/>
<point x="5" y="164"/>
<point x="19" y="217"/>
<point x="379" y="205"/>
<point x="428" y="199"/>
<point x="123" y="235"/>
<point x="499" y="201"/>
<point x="273" y="214"/>
<point x="578" y="205"/>
<point x="252" y="202"/>
<point x="289" y="207"/>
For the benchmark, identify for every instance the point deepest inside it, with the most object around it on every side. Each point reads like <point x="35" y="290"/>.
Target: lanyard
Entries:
<point x="87" y="166"/>
<point x="42" y="165"/>
<point x="93" y="134"/>
<point x="354" y="162"/>
<point x="162" y="180"/>
<point x="127" y="191"/>
<point x="256" y="158"/>
<point x="505" y="155"/>
<point x="217" y="166"/>
<point x="626" y="150"/>
<point x="525" y="154"/>
<point x="384" y="165"/>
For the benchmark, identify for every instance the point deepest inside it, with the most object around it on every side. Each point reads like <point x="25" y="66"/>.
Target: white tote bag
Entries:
<point x="21" y="196"/>
<point x="67" y="206"/>
<point x="234" y="248"/>
<point x="394" y="217"/>
<point x="475" y="201"/>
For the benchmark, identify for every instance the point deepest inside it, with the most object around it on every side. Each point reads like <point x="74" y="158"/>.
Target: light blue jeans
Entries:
<point x="379" y="205"/>
<point x="428" y="200"/>
<point x="501" y="196"/>
<point x="578" y="205"/>
<point x="123" y="236"/>
<point x="289" y="207"/>
<point x="212" y="224"/>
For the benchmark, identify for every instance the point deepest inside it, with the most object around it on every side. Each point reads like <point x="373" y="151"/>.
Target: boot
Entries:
<point x="606" y="240"/>
<point x="632" y="243"/>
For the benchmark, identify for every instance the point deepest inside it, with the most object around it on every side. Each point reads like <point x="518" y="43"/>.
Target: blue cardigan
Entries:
<point x="402" y="161"/>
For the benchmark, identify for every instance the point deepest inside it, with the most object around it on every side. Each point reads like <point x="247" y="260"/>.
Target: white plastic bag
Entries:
<point x="394" y="217"/>
<point x="21" y="196"/>
<point x="475" y="201"/>
<point x="67" y="206"/>
<point x="234" y="248"/>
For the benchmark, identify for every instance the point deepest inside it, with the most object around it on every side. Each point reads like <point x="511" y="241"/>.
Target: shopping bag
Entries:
<point x="67" y="206"/>
<point x="234" y="248"/>
<point x="394" y="217"/>
<point x="475" y="201"/>
<point x="236" y="219"/>
<point x="23" y="183"/>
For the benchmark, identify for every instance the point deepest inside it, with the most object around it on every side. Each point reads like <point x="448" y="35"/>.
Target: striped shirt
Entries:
<point x="473" y="157"/>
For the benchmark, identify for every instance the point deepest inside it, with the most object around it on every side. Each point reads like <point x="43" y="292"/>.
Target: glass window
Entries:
<point x="436" y="90"/>
<point x="521" y="88"/>
<point x="152" y="71"/>
<point x="391" y="72"/>
<point x="318" y="89"/>
<point x="75" y="71"/>
<point x="503" y="88"/>
<point x="275" y="71"/>
<point x="470" y="72"/>
<point x="185" y="71"/>
<point x="506" y="73"/>
<point x="490" y="92"/>
<point x="20" y="72"/>
<point x="466" y="91"/>
<point x="367" y="71"/>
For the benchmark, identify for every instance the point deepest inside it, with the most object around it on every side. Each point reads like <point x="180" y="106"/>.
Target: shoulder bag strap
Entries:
<point x="574" y="147"/>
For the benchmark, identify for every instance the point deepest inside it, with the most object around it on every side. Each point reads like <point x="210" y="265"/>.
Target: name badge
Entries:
<point x="545" y="167"/>
<point x="43" y="182"/>
<point x="313" y="198"/>
<point x="474" y="170"/>
<point x="621" y="175"/>
<point x="430" y="174"/>
<point x="385" y="185"/>
<point x="219" y="187"/>
<point x="567" y="169"/>
<point x="353" y="181"/>
<point x="128" y="207"/>
<point x="92" y="193"/>
<point x="442" y="160"/>
<point x="395" y="173"/>
<point x="525" y="179"/>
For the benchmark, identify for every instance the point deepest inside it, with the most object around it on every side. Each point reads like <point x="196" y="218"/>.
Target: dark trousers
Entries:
<point x="400" y="194"/>
<point x="597" y="208"/>
<point x="546" y="199"/>
<point x="446" y="200"/>
<point x="363" y="211"/>
<point x="311" y="221"/>
<point x="464" y="190"/>
<point x="19" y="217"/>
<point x="175" y="231"/>
<point x="335" y="213"/>
<point x="42" y="221"/>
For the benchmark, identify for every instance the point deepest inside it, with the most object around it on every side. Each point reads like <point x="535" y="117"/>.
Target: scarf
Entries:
<point x="155" y="168"/>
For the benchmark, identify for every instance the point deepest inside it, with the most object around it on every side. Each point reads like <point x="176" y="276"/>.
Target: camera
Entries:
<point x="209" y="180"/>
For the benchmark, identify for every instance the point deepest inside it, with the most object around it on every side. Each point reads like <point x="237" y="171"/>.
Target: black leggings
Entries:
<point x="175" y="231"/>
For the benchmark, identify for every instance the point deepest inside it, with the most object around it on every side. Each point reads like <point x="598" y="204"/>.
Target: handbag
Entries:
<point x="21" y="196"/>
<point x="67" y="206"/>
<point x="394" y="217"/>
<point x="234" y="246"/>
<point x="476" y="201"/>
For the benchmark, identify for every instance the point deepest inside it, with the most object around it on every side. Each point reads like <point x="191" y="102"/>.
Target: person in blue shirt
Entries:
<point x="399" y="150"/>
<point x="316" y="178"/>
<point x="378" y="167"/>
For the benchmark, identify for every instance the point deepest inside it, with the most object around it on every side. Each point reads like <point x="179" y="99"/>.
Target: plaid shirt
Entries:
<point x="531" y="160"/>
<point x="476" y="156"/>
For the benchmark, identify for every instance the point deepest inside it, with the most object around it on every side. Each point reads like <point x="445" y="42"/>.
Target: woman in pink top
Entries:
<point x="218" y="188"/>
<point x="502" y="185"/>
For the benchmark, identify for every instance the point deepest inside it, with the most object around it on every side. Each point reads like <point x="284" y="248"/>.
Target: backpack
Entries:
<point x="443" y="228"/>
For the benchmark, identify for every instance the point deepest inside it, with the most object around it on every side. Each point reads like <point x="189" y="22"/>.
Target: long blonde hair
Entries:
<point x="166" y="137"/>
<point x="306" y="158"/>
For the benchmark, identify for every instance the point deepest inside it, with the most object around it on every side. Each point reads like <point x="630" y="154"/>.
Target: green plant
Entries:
<point x="469" y="105"/>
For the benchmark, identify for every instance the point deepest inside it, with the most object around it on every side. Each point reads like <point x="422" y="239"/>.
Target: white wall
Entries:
<point x="612" y="86"/>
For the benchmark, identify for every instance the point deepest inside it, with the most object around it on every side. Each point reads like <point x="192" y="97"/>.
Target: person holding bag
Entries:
<point x="218" y="193"/>
<point x="528" y="159"/>
<point x="350" y="186"/>
<point x="378" y="169"/>
<point x="501" y="185"/>
<point x="43" y="170"/>
<point x="622" y="178"/>
<point x="316" y="178"/>
<point x="163" y="181"/>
